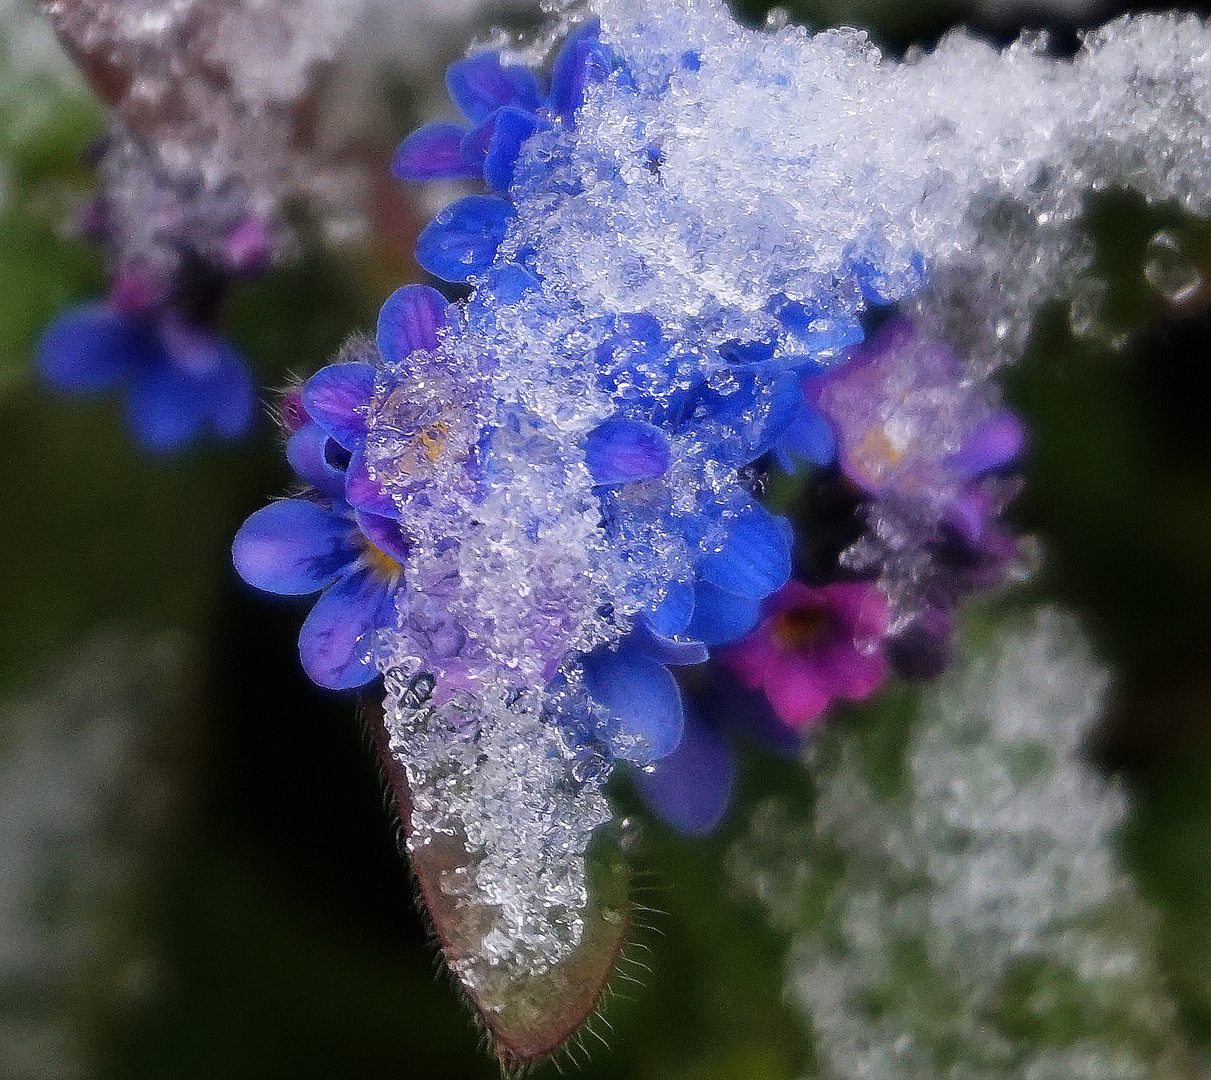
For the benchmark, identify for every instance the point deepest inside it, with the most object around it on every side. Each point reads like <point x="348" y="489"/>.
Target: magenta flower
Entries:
<point x="807" y="651"/>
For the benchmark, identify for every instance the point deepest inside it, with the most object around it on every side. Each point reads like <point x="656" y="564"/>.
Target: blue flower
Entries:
<point x="461" y="242"/>
<point x="353" y="559"/>
<point x="329" y="451"/>
<point x="504" y="105"/>
<point x="691" y="788"/>
<point x="641" y="716"/>
<point x="179" y="379"/>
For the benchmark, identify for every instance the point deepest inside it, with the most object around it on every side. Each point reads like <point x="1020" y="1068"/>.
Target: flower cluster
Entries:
<point x="565" y="499"/>
<point x="694" y="253"/>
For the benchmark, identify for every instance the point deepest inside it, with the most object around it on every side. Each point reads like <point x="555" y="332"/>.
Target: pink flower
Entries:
<point x="807" y="650"/>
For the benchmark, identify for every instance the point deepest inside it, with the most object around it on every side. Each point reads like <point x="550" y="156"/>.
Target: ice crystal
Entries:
<point x="778" y="171"/>
<point x="490" y="779"/>
<point x="204" y="132"/>
<point x="725" y="211"/>
<point x="983" y="925"/>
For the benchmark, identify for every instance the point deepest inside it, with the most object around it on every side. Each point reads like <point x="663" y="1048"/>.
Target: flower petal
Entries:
<point x="853" y="674"/>
<point x="385" y="533"/>
<point x="582" y="61"/>
<point x="410" y="320"/>
<point x="821" y="334"/>
<point x="692" y="786"/>
<point x="337" y="397"/>
<point x="997" y="442"/>
<point x="462" y="240"/>
<point x="482" y="84"/>
<point x="643" y="700"/>
<point x="721" y="616"/>
<point x="809" y="437"/>
<point x="293" y="547"/>
<point x="670" y="651"/>
<point x="89" y="349"/>
<point x="672" y="615"/>
<point x="362" y="492"/>
<point x="165" y="410"/>
<point x="433" y="152"/>
<point x="797" y="688"/>
<point x="620" y="450"/>
<point x="193" y="350"/>
<point x="755" y="559"/>
<point x="512" y="127"/>
<point x="780" y="404"/>
<point x="229" y="397"/>
<point x="337" y="637"/>
<point x="306" y="453"/>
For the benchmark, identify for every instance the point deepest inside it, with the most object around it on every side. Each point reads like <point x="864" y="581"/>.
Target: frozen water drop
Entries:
<point x="1170" y="271"/>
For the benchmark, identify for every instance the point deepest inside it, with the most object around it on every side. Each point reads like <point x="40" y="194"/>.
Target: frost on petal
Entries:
<point x="337" y="397"/>
<point x="409" y="320"/>
<point x="643" y="714"/>
<point x="755" y="558"/>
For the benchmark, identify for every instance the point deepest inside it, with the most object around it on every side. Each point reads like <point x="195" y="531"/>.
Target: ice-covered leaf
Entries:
<point x="522" y="878"/>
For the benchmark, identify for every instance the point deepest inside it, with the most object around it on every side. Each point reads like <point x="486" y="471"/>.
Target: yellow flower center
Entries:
<point x="380" y="563"/>
<point x="432" y="440"/>
<point x="876" y="454"/>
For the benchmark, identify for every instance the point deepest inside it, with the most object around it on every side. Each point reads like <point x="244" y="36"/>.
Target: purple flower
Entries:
<point x="353" y="559"/>
<point x="809" y="649"/>
<point x="179" y="379"/>
<point x="912" y="425"/>
<point x="929" y="445"/>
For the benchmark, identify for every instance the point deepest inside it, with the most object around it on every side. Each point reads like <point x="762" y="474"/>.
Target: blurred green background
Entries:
<point x="201" y="877"/>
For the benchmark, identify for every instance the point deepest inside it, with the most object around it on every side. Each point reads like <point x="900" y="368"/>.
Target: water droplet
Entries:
<point x="629" y="835"/>
<point x="1169" y="271"/>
